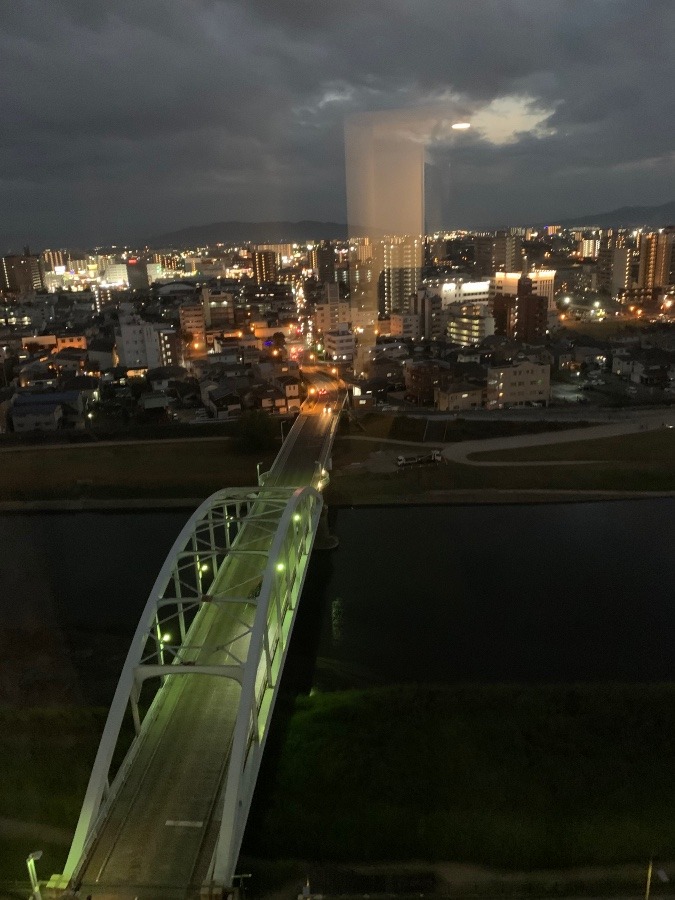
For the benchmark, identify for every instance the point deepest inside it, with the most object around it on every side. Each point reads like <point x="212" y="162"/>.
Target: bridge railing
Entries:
<point x="275" y="615"/>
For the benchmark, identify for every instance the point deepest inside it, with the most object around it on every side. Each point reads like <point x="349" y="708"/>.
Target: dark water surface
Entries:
<point x="560" y="592"/>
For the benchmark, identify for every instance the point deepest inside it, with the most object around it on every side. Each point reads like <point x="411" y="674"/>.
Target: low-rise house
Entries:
<point x="161" y="377"/>
<point x="69" y="361"/>
<point x="154" y="400"/>
<point x="268" y="398"/>
<point x="101" y="351"/>
<point x="290" y="385"/>
<point x="73" y="404"/>
<point x="459" y="397"/>
<point x="223" y="401"/>
<point x="37" y="417"/>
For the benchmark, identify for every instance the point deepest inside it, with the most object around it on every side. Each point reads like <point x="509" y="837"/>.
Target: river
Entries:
<point x="541" y="593"/>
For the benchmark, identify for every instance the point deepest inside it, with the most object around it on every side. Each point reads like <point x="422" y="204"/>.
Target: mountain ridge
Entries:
<point x="237" y="231"/>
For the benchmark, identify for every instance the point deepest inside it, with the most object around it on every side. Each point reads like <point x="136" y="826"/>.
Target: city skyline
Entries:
<point x="127" y="122"/>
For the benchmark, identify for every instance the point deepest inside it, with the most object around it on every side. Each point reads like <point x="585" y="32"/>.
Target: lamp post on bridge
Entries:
<point x="32" y="874"/>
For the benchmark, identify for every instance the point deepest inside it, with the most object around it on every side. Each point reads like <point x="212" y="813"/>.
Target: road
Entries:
<point x="159" y="835"/>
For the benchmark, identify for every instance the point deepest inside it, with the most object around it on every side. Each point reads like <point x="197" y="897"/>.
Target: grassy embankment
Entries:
<point x="511" y="777"/>
<point x="191" y="469"/>
<point x="635" y="462"/>
<point x="47" y="755"/>
<point x="412" y="428"/>
<point x="194" y="469"/>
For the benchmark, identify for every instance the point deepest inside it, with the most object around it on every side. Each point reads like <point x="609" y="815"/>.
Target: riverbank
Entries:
<point x="494" y="789"/>
<point x="165" y="475"/>
<point x="440" y="497"/>
<point x="509" y="777"/>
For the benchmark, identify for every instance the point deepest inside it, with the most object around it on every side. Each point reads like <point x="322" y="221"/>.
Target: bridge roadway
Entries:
<point x="159" y="834"/>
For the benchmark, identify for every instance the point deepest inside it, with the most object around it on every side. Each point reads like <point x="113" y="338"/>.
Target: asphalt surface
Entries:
<point x="159" y="835"/>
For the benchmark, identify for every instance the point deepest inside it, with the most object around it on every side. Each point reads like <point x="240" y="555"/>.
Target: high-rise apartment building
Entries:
<point x="264" y="264"/>
<point x="428" y="307"/>
<point x="139" y="344"/>
<point x="401" y="274"/>
<point x="53" y="259"/>
<point x="322" y="260"/>
<point x="657" y="262"/>
<point x="21" y="274"/>
<point x="543" y="281"/>
<point x="192" y="318"/>
<point x="469" y="323"/>
<point x="522" y="316"/>
<point x="507" y="252"/>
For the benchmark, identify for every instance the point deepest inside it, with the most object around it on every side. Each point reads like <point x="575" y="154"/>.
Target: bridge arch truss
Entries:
<point x="223" y="604"/>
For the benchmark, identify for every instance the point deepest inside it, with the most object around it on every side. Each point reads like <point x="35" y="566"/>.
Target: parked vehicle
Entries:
<point x="433" y="456"/>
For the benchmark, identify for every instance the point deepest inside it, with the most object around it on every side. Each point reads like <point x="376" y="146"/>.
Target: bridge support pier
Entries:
<point x="324" y="540"/>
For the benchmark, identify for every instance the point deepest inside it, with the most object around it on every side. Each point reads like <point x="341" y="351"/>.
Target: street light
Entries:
<point x="32" y="874"/>
<point x="460" y="126"/>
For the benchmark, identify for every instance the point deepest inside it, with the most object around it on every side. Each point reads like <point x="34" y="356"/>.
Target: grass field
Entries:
<point x="163" y="469"/>
<point x="513" y="777"/>
<point x="648" y="447"/>
<point x="636" y="462"/>
<point x="47" y="756"/>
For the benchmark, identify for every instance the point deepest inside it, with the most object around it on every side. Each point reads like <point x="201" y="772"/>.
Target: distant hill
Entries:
<point x="627" y="217"/>
<point x="251" y="233"/>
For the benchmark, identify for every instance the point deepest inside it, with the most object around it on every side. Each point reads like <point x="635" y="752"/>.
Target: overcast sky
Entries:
<point x="125" y="118"/>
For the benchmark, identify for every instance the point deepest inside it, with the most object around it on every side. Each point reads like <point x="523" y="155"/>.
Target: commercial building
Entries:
<point x="459" y="291"/>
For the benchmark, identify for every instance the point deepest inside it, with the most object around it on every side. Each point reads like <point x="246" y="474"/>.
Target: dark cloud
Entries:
<point x="123" y="119"/>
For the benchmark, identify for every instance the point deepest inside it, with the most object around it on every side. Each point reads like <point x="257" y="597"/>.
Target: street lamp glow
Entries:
<point x="280" y="567"/>
<point x="204" y="567"/>
<point x="166" y="638"/>
<point x="296" y="517"/>
<point x="461" y="126"/>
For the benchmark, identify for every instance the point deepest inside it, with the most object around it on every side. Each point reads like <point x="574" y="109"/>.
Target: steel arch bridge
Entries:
<point x="205" y="660"/>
